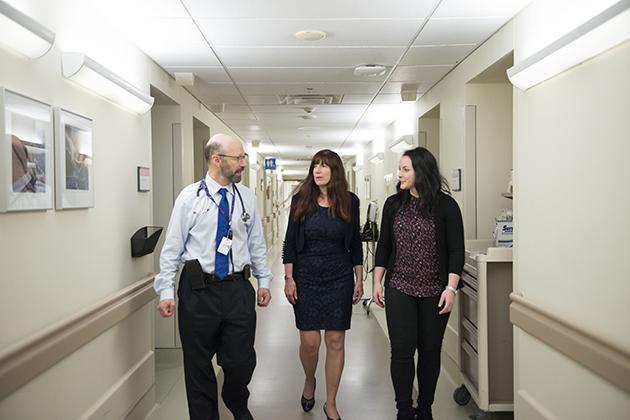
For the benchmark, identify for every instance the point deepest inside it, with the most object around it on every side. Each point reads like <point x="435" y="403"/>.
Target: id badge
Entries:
<point x="225" y="245"/>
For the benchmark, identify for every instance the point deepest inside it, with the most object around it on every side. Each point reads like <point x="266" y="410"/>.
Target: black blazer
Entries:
<point x="449" y="233"/>
<point x="294" y="238"/>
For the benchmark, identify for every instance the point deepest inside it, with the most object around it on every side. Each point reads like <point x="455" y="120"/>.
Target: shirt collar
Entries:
<point x="214" y="187"/>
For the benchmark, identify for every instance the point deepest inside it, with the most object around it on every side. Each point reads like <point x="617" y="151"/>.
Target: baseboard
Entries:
<point x="125" y="395"/>
<point x="527" y="408"/>
<point x="144" y="407"/>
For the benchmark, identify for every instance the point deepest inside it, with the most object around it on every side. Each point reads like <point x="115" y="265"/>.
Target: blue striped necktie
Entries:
<point x="221" y="261"/>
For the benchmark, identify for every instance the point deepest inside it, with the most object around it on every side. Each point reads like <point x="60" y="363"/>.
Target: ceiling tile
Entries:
<point x="431" y="55"/>
<point x="308" y="56"/>
<point x="182" y="56"/>
<point x="281" y="32"/>
<point x="299" y="75"/>
<point x="210" y="89"/>
<point x="111" y="9"/>
<point x="486" y="8"/>
<point x="281" y="88"/>
<point x="458" y="31"/>
<point x="420" y="73"/>
<point x="321" y="9"/>
<point x="204" y="74"/>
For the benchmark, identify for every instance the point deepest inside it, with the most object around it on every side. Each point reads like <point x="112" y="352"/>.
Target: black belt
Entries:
<point x="198" y="279"/>
<point x="230" y="277"/>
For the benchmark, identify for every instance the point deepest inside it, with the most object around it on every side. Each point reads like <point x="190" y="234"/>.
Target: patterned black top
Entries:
<point x="416" y="270"/>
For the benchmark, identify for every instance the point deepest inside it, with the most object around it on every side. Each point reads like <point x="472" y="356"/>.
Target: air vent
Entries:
<point x="309" y="99"/>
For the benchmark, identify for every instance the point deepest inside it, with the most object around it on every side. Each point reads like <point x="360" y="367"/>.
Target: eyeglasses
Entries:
<point x="239" y="159"/>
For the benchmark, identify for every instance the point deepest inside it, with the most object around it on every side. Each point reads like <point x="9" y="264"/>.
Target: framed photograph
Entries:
<point x="456" y="184"/>
<point x="74" y="161"/>
<point x="26" y="153"/>
<point x="144" y="179"/>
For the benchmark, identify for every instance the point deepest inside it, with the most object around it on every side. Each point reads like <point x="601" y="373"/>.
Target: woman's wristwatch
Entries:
<point x="451" y="288"/>
<point x="290" y="276"/>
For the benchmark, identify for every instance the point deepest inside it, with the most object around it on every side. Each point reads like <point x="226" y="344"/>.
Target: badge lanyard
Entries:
<point x="229" y="218"/>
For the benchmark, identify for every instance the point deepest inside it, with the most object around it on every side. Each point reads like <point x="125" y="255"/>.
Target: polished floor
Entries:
<point x="365" y="391"/>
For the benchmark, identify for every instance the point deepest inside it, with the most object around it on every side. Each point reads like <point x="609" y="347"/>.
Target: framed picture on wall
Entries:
<point x="26" y="174"/>
<point x="74" y="161"/>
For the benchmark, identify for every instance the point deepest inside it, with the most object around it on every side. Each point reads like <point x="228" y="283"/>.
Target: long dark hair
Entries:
<point x="304" y="202"/>
<point x="429" y="183"/>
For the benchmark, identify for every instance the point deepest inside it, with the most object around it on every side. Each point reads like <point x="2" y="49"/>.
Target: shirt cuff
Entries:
<point x="264" y="283"/>
<point x="167" y="294"/>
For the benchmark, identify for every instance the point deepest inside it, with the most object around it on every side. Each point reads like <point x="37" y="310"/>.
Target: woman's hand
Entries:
<point x="290" y="291"/>
<point x="358" y="292"/>
<point x="377" y="294"/>
<point x="446" y="301"/>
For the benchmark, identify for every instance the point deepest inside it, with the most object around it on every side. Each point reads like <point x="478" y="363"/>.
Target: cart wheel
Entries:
<point x="461" y="395"/>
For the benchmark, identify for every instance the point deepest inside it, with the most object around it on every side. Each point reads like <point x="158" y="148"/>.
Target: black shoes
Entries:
<point x="328" y="418"/>
<point x="424" y="413"/>
<point x="308" y="404"/>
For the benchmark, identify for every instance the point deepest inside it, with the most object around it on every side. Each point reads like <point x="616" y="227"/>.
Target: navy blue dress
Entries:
<point x="323" y="275"/>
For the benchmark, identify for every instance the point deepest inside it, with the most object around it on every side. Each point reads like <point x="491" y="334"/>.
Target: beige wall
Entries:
<point x="57" y="263"/>
<point x="568" y="142"/>
<point x="571" y="155"/>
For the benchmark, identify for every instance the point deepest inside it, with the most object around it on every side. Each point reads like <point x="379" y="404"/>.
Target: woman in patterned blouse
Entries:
<point x="421" y="254"/>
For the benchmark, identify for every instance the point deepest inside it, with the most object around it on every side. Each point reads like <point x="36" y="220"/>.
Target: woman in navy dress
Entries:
<point x="322" y="255"/>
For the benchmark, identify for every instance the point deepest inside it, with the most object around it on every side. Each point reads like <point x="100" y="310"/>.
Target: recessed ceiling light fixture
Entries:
<point x="309" y="127"/>
<point x="370" y="70"/>
<point x="310" y="35"/>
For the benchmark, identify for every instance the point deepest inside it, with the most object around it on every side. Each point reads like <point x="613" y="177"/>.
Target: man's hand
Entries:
<point x="264" y="296"/>
<point x="166" y="307"/>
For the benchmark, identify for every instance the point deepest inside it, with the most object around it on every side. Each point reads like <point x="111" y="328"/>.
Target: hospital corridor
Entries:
<point x="148" y="144"/>
<point x="365" y="391"/>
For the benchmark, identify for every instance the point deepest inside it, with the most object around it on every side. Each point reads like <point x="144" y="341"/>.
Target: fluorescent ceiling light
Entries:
<point x="376" y="158"/>
<point x="87" y="72"/>
<point x="357" y="168"/>
<point x="24" y="34"/>
<point x="403" y="143"/>
<point x="604" y="31"/>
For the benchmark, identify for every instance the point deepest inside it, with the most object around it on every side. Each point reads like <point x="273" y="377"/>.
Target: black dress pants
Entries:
<point x="414" y="324"/>
<point x="221" y="320"/>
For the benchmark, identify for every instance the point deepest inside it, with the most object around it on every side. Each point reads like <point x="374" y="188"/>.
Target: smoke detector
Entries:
<point x="309" y="115"/>
<point x="370" y="70"/>
<point x="311" y="35"/>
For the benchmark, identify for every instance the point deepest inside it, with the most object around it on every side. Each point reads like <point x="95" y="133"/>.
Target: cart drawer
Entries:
<point x="469" y="332"/>
<point x="470" y="363"/>
<point x="469" y="304"/>
<point x="470" y="280"/>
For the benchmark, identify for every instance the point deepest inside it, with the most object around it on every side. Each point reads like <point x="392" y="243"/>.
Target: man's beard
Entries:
<point x="230" y="175"/>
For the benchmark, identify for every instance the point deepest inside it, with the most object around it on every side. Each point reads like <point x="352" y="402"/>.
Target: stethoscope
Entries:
<point x="244" y="217"/>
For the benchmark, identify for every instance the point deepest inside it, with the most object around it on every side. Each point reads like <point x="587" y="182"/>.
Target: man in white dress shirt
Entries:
<point x="216" y="304"/>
